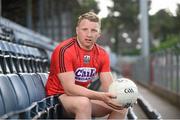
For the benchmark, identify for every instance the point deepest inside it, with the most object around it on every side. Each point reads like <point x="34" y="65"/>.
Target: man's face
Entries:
<point x="87" y="33"/>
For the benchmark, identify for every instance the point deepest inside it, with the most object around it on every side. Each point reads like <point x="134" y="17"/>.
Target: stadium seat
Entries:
<point x="8" y="33"/>
<point x="8" y="94"/>
<point x="2" y="34"/>
<point x="3" y="61"/>
<point x="8" y="56"/>
<point x="35" y="59"/>
<point x="30" y="86"/>
<point x="14" y="52"/>
<point x="29" y="60"/>
<point x="2" y="110"/>
<point x="21" y="58"/>
<point x="39" y="86"/>
<point x="34" y="86"/>
<point x="20" y="90"/>
<point x="44" y="77"/>
<point x="1" y="69"/>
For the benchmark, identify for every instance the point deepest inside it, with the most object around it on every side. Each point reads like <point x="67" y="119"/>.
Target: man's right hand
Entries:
<point x="108" y="99"/>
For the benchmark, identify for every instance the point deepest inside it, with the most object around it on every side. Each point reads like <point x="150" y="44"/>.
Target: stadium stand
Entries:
<point x="24" y="63"/>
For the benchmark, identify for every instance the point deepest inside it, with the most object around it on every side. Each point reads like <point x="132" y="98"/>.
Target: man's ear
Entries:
<point x="99" y="35"/>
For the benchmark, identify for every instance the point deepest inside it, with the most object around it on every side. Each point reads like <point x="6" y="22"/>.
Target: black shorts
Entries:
<point x="61" y="113"/>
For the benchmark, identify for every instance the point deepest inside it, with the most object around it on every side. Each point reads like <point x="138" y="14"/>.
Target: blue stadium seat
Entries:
<point x="44" y="77"/>
<point x="14" y="52"/>
<point x="8" y="94"/>
<point x="2" y="110"/>
<point x="20" y="90"/>
<point x="1" y="69"/>
<point x="3" y="62"/>
<point x="2" y="34"/>
<point x="21" y="57"/>
<point x="30" y="86"/>
<point x="8" y="56"/>
<point x="30" y="62"/>
<point x="8" y="33"/>
<point x="36" y="58"/>
<point x="39" y="86"/>
<point x="27" y="90"/>
<point x="34" y="86"/>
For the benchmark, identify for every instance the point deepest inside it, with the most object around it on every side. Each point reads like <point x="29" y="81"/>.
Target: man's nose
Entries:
<point x="89" y="33"/>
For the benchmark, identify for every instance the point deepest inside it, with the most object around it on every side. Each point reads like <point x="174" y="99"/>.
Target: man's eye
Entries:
<point x="84" y="29"/>
<point x="94" y="30"/>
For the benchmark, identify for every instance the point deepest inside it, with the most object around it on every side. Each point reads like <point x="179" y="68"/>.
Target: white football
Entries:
<point x="125" y="90"/>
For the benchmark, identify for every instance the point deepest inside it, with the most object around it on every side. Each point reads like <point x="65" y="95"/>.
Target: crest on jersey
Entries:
<point x="86" y="59"/>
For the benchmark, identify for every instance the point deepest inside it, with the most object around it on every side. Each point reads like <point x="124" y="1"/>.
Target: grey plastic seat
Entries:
<point x="2" y="110"/>
<point x="30" y="60"/>
<point x="39" y="86"/>
<point x="44" y="77"/>
<point x="30" y="86"/>
<point x="20" y="90"/>
<point x="34" y="86"/>
<point x="8" y="94"/>
<point x="3" y="61"/>
<point x="9" y="56"/>
<point x="15" y="57"/>
<point x="21" y="58"/>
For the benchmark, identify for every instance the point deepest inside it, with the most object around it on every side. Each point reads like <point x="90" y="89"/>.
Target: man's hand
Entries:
<point x="108" y="99"/>
<point x="115" y="106"/>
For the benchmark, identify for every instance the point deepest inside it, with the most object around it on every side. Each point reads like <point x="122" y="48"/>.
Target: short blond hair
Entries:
<point x="91" y="16"/>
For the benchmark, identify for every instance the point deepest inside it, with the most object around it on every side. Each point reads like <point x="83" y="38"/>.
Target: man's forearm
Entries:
<point x="77" y="90"/>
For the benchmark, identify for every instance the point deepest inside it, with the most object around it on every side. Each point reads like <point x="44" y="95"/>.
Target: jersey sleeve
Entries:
<point x="63" y="61"/>
<point x="105" y="66"/>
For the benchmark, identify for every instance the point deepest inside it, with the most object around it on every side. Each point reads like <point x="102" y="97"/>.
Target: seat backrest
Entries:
<point x="2" y="109"/>
<point x="1" y="69"/>
<point x="44" y="77"/>
<point x="8" y="94"/>
<point x="39" y="86"/>
<point x="20" y="90"/>
<point x="30" y="86"/>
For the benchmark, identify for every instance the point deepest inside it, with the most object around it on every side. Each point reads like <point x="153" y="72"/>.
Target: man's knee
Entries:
<point x="83" y="104"/>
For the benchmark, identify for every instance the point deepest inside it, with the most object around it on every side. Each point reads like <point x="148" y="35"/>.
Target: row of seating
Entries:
<point x="6" y="34"/>
<point x="16" y="58"/>
<point x="23" y="73"/>
<point x="22" y="96"/>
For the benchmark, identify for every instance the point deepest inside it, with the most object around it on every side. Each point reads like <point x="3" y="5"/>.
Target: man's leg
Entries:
<point x="83" y="108"/>
<point x="76" y="106"/>
<point x="100" y="109"/>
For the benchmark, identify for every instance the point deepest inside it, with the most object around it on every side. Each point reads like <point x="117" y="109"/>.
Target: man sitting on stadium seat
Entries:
<point x="74" y="63"/>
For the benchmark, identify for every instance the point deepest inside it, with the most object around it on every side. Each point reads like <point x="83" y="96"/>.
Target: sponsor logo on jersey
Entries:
<point x="86" y="59"/>
<point x="85" y="74"/>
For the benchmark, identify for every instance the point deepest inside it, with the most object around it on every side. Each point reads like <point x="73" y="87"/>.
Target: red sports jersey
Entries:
<point x="68" y="56"/>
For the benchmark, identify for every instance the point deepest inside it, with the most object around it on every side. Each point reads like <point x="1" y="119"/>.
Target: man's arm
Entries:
<point x="106" y="79"/>
<point x="70" y="88"/>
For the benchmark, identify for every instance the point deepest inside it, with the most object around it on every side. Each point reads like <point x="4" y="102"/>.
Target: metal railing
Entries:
<point x="164" y="73"/>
